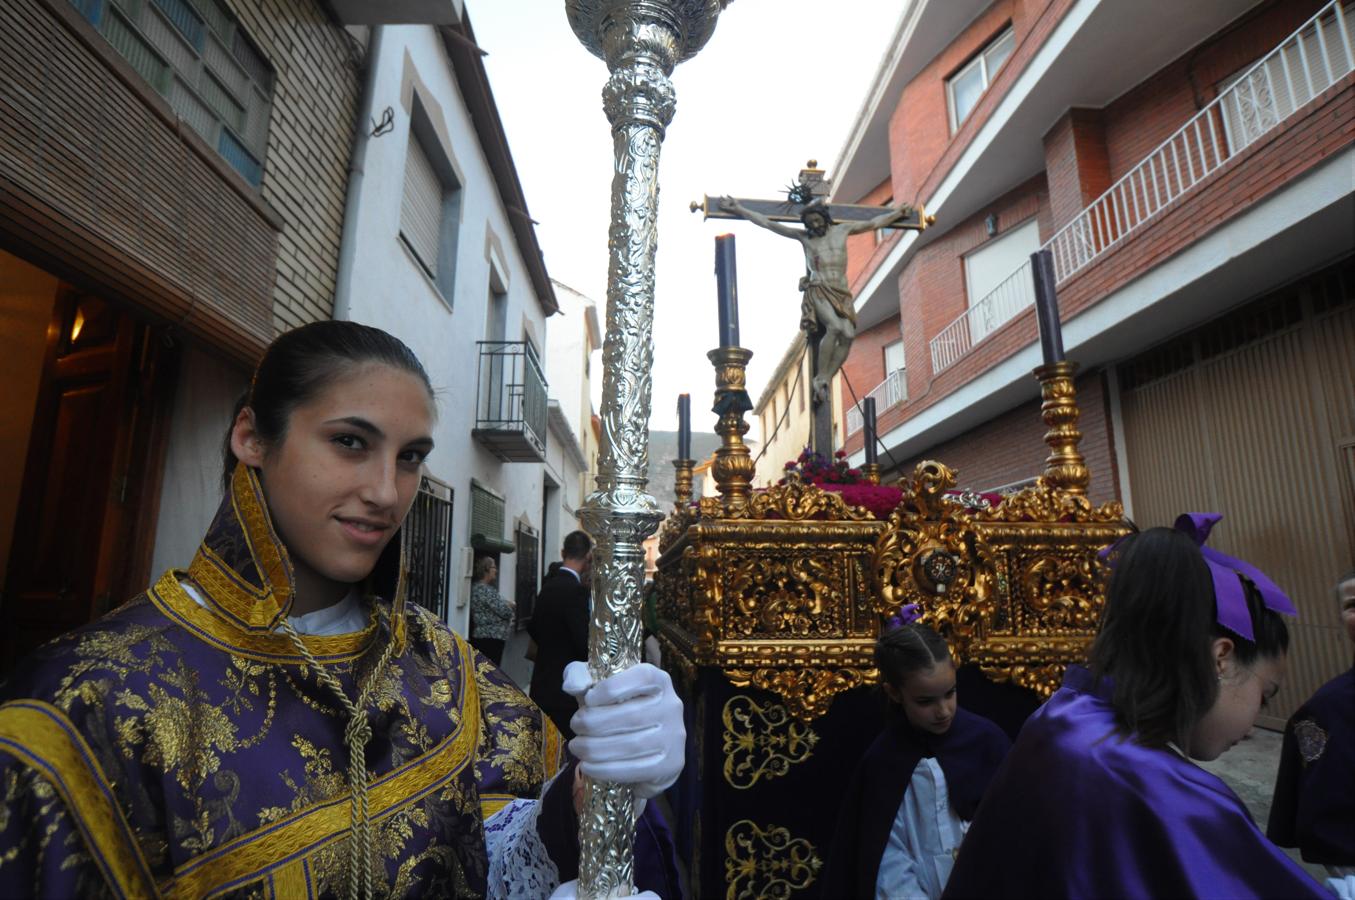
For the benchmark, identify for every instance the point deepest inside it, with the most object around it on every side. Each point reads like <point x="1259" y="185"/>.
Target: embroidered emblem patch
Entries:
<point x="1312" y="740"/>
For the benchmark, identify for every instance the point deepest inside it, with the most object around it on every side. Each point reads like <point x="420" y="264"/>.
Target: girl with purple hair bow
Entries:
<point x="1099" y="796"/>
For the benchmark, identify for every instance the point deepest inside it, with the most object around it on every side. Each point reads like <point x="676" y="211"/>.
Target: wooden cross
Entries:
<point x="812" y="180"/>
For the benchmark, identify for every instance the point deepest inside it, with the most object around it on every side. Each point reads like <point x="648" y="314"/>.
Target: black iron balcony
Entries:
<point x="510" y="410"/>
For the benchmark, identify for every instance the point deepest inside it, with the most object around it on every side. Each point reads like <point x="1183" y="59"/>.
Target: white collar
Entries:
<point x="344" y="617"/>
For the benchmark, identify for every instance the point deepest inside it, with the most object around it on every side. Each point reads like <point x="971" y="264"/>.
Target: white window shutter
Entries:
<point x="421" y="207"/>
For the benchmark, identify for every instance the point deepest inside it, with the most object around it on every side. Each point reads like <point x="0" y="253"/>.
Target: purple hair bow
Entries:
<point x="907" y="614"/>
<point x="1227" y="573"/>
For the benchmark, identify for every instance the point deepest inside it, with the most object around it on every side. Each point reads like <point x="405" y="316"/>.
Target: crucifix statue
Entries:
<point x="827" y="311"/>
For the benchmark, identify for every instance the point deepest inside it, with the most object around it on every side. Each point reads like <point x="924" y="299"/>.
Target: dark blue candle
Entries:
<point x="684" y="426"/>
<point x="1047" y="307"/>
<point x="727" y="287"/>
<point x="868" y="429"/>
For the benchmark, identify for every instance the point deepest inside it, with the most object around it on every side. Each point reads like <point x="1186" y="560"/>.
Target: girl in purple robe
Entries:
<point x="1099" y="797"/>
<point x="1314" y="805"/>
<point x="275" y="720"/>
<point x="914" y="792"/>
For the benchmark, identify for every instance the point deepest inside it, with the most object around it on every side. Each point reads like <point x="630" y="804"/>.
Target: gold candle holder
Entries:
<point x="682" y="482"/>
<point x="733" y="466"/>
<point x="871" y="472"/>
<point x="1065" y="468"/>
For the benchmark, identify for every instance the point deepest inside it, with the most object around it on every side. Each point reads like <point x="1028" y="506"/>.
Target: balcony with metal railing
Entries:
<point x="1315" y="57"/>
<point x="511" y="404"/>
<point x="890" y="392"/>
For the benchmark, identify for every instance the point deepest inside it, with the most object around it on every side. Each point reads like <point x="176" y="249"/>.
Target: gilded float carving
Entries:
<point x="767" y="863"/>
<point x="797" y="500"/>
<point x="932" y="555"/>
<point x="807" y="690"/>
<point x="1062" y="591"/>
<point x="1041" y="503"/>
<point x="784" y="595"/>
<point x="762" y="741"/>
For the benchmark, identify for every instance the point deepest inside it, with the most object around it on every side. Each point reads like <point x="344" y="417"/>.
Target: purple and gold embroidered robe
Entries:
<point x="179" y="748"/>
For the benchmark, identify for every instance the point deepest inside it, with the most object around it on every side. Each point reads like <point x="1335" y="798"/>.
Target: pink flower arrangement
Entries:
<point x="836" y="475"/>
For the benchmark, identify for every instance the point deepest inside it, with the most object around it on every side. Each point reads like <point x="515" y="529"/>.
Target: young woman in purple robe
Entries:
<point x="913" y="793"/>
<point x="1099" y="796"/>
<point x="275" y="720"/>
<point x="1314" y="805"/>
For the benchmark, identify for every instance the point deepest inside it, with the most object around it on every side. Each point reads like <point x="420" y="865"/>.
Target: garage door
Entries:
<point x="1253" y="416"/>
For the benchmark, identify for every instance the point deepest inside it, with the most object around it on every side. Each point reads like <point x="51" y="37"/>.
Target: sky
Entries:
<point x="779" y="83"/>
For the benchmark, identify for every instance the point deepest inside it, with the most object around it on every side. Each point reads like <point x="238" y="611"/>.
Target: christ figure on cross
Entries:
<point x="826" y="306"/>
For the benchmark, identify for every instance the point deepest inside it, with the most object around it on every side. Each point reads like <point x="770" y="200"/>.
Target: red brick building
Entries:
<point x="1191" y="168"/>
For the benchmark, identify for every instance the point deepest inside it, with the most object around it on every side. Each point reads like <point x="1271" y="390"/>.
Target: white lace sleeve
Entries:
<point x="519" y="866"/>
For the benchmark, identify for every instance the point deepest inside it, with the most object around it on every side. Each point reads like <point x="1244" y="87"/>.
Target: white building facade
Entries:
<point x="439" y="251"/>
<point x="575" y="337"/>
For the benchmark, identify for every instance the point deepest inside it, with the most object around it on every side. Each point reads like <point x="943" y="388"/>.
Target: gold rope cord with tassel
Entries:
<point x="356" y="734"/>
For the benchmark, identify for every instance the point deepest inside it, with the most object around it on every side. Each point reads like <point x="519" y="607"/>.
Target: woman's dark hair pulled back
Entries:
<point x="299" y="363"/>
<point x="907" y="649"/>
<point x="1155" y="640"/>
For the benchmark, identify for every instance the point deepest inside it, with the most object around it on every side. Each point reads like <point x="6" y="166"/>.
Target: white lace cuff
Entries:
<point x="519" y="866"/>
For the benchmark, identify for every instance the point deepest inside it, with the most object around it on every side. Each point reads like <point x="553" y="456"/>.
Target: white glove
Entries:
<point x="569" y="891"/>
<point x="629" y="727"/>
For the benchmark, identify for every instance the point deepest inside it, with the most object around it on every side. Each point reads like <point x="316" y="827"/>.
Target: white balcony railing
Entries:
<point x="1316" y="56"/>
<point x="1015" y="293"/>
<point x="890" y="392"/>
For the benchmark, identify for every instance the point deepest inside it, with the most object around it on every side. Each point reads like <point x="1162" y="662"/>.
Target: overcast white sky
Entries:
<point x="780" y="82"/>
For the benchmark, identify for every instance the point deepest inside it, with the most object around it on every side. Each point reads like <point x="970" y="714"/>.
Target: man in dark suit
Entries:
<point x="560" y="629"/>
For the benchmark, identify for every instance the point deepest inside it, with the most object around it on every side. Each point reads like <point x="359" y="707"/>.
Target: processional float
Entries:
<point x="772" y="599"/>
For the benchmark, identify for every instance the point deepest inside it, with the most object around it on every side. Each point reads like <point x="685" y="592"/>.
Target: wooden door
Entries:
<point x="74" y="548"/>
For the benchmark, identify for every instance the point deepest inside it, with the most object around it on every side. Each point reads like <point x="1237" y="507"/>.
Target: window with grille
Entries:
<point x="429" y="542"/>
<point x="965" y="87"/>
<point x="528" y="544"/>
<point x="486" y="512"/>
<point x="196" y="55"/>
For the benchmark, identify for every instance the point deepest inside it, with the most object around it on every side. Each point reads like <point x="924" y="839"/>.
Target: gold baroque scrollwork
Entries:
<point x="1042" y="679"/>
<point x="767" y="863"/>
<point x="932" y="555"/>
<point x="1062" y="591"/>
<point x="761" y="741"/>
<point x="807" y="690"/>
<point x="796" y="500"/>
<point x="1042" y="503"/>
<point x="784" y="596"/>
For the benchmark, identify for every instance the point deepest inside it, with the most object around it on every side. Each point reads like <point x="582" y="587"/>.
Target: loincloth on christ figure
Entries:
<point x="839" y="300"/>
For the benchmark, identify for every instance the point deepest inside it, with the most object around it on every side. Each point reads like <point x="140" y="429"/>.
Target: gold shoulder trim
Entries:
<point x="492" y="803"/>
<point x="271" y="849"/>
<point x="171" y="599"/>
<point x="40" y="736"/>
<point x="257" y="609"/>
<point x="552" y="748"/>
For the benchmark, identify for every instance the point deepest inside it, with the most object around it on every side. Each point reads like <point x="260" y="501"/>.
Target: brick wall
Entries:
<point x="317" y="88"/>
<point x="1010" y="447"/>
<point x="100" y="184"/>
<point x="931" y="294"/>
<point x="865" y="365"/>
<point x="931" y="286"/>
<point x="1145" y="116"/>
<point x="1077" y="164"/>
<point x="921" y="147"/>
<point x="863" y="253"/>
